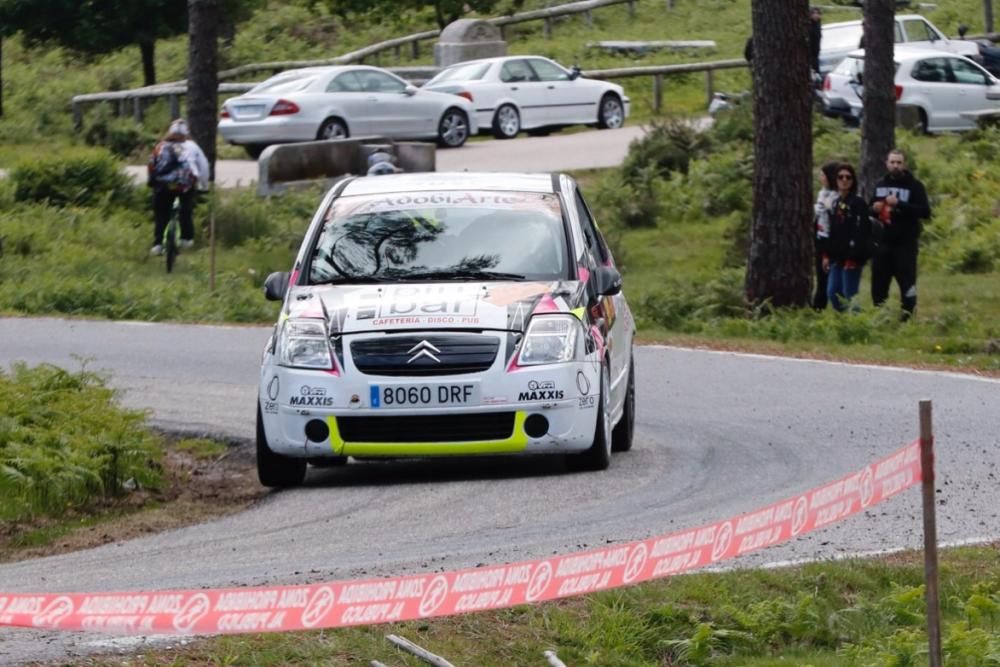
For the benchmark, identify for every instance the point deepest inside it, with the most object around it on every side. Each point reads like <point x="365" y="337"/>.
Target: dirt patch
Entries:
<point x="195" y="489"/>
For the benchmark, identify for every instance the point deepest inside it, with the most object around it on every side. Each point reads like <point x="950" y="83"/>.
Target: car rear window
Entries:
<point x="470" y="72"/>
<point x="287" y="84"/>
<point x="396" y="237"/>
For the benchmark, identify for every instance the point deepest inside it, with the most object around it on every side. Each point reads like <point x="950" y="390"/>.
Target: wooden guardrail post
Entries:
<point x="137" y="109"/>
<point x="175" y="106"/>
<point x="547" y="29"/>
<point x="657" y="92"/>
<point x="709" y="85"/>
<point x="930" y="535"/>
<point x="77" y="116"/>
<point x="631" y="8"/>
<point x="415" y="49"/>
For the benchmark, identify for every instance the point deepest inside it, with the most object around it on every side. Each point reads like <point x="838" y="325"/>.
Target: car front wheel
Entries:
<point x="598" y="457"/>
<point x="611" y="114"/>
<point x="275" y="470"/>
<point x="453" y="129"/>
<point x="506" y="122"/>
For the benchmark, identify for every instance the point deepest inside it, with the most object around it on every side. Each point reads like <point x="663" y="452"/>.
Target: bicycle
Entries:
<point x="170" y="232"/>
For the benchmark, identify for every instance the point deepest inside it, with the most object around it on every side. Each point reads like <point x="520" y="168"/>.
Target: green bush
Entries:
<point x="122" y="136"/>
<point x="668" y="146"/>
<point x="977" y="253"/>
<point x="64" y="444"/>
<point x="77" y="177"/>
<point x="630" y="204"/>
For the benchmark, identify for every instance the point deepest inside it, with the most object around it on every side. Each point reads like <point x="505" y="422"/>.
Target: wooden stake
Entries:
<point x="930" y="535"/>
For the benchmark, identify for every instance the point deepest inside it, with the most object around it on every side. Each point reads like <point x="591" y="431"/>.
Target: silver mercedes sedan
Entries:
<point x="337" y="102"/>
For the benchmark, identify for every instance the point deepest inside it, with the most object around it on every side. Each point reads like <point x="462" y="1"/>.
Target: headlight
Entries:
<point x="304" y="344"/>
<point x="551" y="339"/>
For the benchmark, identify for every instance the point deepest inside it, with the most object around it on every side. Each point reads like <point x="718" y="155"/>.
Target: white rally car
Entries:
<point x="447" y="314"/>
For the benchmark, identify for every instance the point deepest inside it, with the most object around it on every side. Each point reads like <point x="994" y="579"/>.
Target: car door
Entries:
<point x="395" y="112"/>
<point x="932" y="89"/>
<point x="568" y="100"/>
<point x="521" y="84"/>
<point x="613" y="310"/>
<point x="345" y="96"/>
<point x="972" y="85"/>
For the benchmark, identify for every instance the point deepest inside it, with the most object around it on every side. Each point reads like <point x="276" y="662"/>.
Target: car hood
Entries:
<point x="494" y="305"/>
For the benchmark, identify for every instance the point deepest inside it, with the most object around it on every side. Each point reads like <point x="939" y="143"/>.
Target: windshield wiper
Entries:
<point x="474" y="274"/>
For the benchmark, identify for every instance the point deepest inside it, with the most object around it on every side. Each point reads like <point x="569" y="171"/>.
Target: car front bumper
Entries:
<point x="510" y="417"/>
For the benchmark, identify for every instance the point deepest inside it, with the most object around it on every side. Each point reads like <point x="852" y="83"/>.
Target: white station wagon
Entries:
<point x="447" y="314"/>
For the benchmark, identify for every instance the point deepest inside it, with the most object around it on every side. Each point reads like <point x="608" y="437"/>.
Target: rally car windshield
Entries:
<point x="441" y="236"/>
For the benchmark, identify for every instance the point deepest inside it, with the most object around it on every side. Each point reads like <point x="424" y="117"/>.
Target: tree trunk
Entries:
<point x="878" y="120"/>
<point x="148" y="49"/>
<point x="1" y="76"/>
<point x="988" y="15"/>
<point x="203" y="75"/>
<point x="779" y="267"/>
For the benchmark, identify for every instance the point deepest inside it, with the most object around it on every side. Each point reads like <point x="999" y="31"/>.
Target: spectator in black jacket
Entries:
<point x="900" y="203"/>
<point x="815" y="36"/>
<point x="847" y="248"/>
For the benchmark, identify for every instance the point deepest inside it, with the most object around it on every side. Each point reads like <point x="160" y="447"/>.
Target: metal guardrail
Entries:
<point x="174" y="89"/>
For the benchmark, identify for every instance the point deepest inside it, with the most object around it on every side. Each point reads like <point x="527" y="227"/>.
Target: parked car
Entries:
<point x="839" y="39"/>
<point x="447" y="314"/>
<point x="532" y="93"/>
<point x="944" y="88"/>
<point x="335" y="102"/>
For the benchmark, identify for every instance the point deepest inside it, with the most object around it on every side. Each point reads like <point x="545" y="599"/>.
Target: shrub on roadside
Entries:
<point x="76" y="177"/>
<point x="668" y="146"/>
<point x="122" y="136"/>
<point x="64" y="444"/>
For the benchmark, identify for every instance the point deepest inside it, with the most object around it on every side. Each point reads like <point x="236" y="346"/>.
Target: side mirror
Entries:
<point x="607" y="281"/>
<point x="410" y="90"/>
<point x="962" y="29"/>
<point x="574" y="72"/>
<point x="276" y="286"/>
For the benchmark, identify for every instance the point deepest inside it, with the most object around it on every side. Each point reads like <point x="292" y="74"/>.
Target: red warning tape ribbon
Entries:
<point x="360" y="602"/>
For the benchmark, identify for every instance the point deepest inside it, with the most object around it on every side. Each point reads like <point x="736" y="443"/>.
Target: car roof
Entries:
<point x="903" y="53"/>
<point x="434" y="180"/>
<point x="324" y="69"/>
<point x="496" y="59"/>
<point x="899" y="17"/>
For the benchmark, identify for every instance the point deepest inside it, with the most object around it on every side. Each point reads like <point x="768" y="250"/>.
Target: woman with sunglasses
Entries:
<point x="847" y="249"/>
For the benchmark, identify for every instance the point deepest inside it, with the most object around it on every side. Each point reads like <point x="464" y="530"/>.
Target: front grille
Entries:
<point x="441" y="354"/>
<point x="430" y="428"/>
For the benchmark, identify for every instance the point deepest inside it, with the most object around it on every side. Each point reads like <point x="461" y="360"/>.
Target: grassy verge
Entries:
<point x="850" y="613"/>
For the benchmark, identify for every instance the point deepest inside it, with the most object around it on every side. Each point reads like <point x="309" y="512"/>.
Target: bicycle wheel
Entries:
<point x="170" y="244"/>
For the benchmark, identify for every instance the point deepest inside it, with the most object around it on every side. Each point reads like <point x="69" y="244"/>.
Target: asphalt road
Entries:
<point x="717" y="434"/>
<point x="591" y="149"/>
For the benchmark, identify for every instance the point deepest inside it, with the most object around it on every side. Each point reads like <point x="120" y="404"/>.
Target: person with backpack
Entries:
<point x="177" y="169"/>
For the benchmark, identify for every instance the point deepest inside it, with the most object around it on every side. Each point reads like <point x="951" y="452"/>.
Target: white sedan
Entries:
<point x="337" y="102"/>
<point x="947" y="90"/>
<point x="532" y="93"/>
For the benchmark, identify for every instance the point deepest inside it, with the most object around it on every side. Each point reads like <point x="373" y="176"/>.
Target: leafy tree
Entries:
<point x="445" y="11"/>
<point x="781" y="249"/>
<point x="878" y="122"/>
<point x="98" y="27"/>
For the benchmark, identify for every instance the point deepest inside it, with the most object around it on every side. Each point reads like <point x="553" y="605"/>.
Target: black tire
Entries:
<point x="170" y="247"/>
<point x="506" y="122"/>
<point x="621" y="436"/>
<point x="598" y="457"/>
<point x="923" y="122"/>
<point x="453" y="128"/>
<point x="275" y="470"/>
<point x="253" y="151"/>
<point x="333" y="128"/>
<point x="610" y="112"/>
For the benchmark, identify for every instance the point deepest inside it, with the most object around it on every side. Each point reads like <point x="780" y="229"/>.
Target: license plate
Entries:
<point x="459" y="394"/>
<point x="249" y="110"/>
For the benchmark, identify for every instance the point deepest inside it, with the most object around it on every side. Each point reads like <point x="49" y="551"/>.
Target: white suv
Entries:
<point x="447" y="314"/>
<point x="839" y="39"/>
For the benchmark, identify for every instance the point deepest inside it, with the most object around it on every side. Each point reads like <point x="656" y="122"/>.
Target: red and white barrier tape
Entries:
<point x="344" y="603"/>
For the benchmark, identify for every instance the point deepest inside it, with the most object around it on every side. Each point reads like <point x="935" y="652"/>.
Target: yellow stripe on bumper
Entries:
<point x="517" y="442"/>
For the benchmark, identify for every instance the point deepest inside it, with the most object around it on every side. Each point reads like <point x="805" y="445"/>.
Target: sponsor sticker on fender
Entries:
<point x="345" y="603"/>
